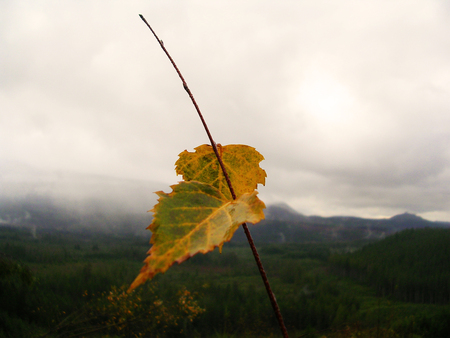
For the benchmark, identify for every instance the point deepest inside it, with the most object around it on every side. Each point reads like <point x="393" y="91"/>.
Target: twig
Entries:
<point x="227" y="178"/>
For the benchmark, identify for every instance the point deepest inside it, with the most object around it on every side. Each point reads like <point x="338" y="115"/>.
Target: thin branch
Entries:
<point x="197" y="108"/>
<point x="227" y="178"/>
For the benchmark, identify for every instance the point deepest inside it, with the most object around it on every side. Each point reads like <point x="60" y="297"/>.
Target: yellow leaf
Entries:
<point x="195" y="217"/>
<point x="241" y="163"/>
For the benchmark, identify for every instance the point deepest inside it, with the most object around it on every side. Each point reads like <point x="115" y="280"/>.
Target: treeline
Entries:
<point x="63" y="283"/>
<point x="66" y="285"/>
<point x="308" y="300"/>
<point x="411" y="266"/>
<point x="315" y="229"/>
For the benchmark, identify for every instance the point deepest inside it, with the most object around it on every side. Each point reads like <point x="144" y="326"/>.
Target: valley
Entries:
<point x="60" y="283"/>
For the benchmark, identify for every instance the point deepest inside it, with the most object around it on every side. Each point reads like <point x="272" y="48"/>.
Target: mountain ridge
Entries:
<point x="282" y="223"/>
<point x="293" y="226"/>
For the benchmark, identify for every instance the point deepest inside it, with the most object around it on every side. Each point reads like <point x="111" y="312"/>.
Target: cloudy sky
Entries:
<point x="348" y="101"/>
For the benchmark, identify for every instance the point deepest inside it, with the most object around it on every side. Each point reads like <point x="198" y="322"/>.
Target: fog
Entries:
<point x="347" y="101"/>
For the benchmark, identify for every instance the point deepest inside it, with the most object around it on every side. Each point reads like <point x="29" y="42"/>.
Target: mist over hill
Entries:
<point x="78" y="202"/>
<point x="40" y="213"/>
<point x="120" y="216"/>
<point x="285" y="225"/>
<point x="82" y="202"/>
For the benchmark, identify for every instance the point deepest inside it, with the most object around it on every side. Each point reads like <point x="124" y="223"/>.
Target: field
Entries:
<point x="62" y="284"/>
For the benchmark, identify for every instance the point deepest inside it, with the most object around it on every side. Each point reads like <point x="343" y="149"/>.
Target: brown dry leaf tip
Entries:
<point x="194" y="218"/>
<point x="241" y="163"/>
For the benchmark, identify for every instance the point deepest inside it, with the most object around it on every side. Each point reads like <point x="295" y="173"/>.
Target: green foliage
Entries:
<point x="16" y="289"/>
<point x="138" y="314"/>
<point x="314" y="302"/>
<point x="413" y="265"/>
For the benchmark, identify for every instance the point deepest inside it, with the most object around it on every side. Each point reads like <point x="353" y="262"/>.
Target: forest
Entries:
<point x="412" y="266"/>
<point x="68" y="284"/>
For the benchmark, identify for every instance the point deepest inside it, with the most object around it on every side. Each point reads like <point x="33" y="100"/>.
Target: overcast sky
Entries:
<point x="348" y="101"/>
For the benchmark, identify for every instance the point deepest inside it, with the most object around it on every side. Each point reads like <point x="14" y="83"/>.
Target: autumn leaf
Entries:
<point x="241" y="163"/>
<point x="195" y="217"/>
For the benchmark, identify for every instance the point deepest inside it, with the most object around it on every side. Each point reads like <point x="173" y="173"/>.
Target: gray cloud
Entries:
<point x="348" y="101"/>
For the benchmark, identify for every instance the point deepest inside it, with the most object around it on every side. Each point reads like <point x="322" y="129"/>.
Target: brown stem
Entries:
<point x="227" y="178"/>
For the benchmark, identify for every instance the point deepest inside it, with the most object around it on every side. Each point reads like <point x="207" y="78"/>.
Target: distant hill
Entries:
<point x="77" y="202"/>
<point x="282" y="224"/>
<point x="44" y="213"/>
<point x="283" y="212"/>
